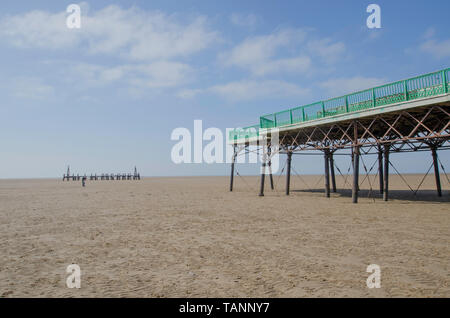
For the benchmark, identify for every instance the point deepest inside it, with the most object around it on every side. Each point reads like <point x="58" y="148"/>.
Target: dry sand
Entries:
<point x="190" y="237"/>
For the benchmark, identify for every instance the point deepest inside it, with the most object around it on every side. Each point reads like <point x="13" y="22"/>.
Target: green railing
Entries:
<point x="244" y="133"/>
<point x="431" y="84"/>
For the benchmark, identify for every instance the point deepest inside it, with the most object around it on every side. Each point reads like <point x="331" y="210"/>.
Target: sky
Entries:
<point x="106" y="97"/>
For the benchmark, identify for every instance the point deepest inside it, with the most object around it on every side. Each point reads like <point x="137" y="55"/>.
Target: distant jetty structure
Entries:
<point x="103" y="176"/>
<point x="410" y="115"/>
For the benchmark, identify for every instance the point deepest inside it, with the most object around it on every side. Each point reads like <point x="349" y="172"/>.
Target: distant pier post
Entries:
<point x="68" y="174"/>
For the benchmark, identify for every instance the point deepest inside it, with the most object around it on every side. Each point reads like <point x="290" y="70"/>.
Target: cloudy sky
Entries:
<point x="106" y="97"/>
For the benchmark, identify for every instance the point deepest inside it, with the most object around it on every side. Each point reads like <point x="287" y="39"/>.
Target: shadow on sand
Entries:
<point x="404" y="195"/>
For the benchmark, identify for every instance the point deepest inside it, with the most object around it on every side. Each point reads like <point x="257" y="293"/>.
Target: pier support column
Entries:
<point x="386" y="172"/>
<point x="436" y="170"/>
<point x="270" y="167"/>
<point x="233" y="160"/>
<point x="380" y="168"/>
<point x="333" y="177"/>
<point x="327" y="172"/>
<point x="288" y="171"/>
<point x="263" y="175"/>
<point x="355" y="188"/>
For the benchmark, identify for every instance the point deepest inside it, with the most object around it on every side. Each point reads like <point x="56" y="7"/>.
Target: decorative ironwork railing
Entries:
<point x="432" y="84"/>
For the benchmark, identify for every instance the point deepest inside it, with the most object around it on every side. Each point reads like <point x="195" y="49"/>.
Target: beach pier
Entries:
<point x="411" y="115"/>
<point x="103" y="176"/>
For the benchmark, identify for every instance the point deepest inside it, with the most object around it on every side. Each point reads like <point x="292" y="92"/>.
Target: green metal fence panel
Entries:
<point x="446" y="80"/>
<point x="313" y="111"/>
<point x="283" y="118"/>
<point x="425" y="85"/>
<point x="297" y="115"/>
<point x="335" y="106"/>
<point x="390" y="93"/>
<point x="267" y="121"/>
<point x="361" y="100"/>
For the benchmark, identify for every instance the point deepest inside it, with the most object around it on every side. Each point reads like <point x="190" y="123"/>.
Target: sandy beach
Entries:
<point x="191" y="237"/>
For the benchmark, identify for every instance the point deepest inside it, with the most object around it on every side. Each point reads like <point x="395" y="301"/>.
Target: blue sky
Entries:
<point x="106" y="97"/>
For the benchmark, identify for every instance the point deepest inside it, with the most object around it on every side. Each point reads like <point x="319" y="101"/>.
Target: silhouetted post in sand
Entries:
<point x="66" y="176"/>
<point x="136" y="175"/>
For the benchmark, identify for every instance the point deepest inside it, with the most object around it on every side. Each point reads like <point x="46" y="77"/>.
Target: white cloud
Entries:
<point x="250" y="90"/>
<point x="131" y="33"/>
<point x="31" y="88"/>
<point x="283" y="51"/>
<point x="188" y="93"/>
<point x="438" y="49"/>
<point x="253" y="52"/>
<point x="150" y="42"/>
<point x="325" y="48"/>
<point x="159" y="74"/>
<point x="341" y="86"/>
<point x="429" y="33"/>
<point x="298" y="64"/>
<point x="38" y="29"/>
<point x="245" y="20"/>
<point x="430" y="45"/>
<point x="93" y="74"/>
